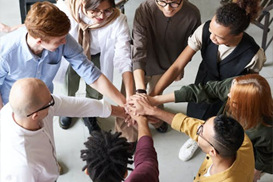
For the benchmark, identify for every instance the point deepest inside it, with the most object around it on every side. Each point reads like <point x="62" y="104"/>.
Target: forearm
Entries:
<point x="172" y="73"/>
<point x="161" y="114"/>
<point x="128" y="83"/>
<point x="118" y="111"/>
<point x="139" y="76"/>
<point x="143" y="127"/>
<point x="104" y="86"/>
<point x="162" y="99"/>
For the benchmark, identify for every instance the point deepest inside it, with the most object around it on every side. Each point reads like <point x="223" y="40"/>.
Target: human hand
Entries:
<point x="139" y="105"/>
<point x="119" y="112"/>
<point x="129" y="120"/>
<point x="257" y="175"/>
<point x="4" y="28"/>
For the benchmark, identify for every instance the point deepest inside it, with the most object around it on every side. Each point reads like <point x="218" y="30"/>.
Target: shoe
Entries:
<point x="163" y="128"/>
<point x="92" y="124"/>
<point x="60" y="169"/>
<point x="187" y="150"/>
<point x="65" y="122"/>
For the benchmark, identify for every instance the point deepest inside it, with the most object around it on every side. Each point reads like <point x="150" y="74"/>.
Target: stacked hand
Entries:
<point x="140" y="105"/>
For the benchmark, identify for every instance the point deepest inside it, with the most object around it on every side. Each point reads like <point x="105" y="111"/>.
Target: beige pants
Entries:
<point x="131" y="132"/>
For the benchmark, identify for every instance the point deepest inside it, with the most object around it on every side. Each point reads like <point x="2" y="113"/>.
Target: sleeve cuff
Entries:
<point x="107" y="109"/>
<point x="177" y="121"/>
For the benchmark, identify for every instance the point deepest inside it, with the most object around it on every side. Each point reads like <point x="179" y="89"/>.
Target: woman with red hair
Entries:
<point x="248" y="100"/>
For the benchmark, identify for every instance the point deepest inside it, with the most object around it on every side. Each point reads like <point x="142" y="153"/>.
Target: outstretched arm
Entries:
<point x="198" y="93"/>
<point x="139" y="47"/>
<point x="118" y="111"/>
<point x="128" y="81"/>
<point x="104" y="86"/>
<point x="174" y="71"/>
<point x="139" y="76"/>
<point x="143" y="127"/>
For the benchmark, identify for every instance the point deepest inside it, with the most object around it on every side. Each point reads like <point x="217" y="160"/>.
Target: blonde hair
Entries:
<point x="250" y="101"/>
<point x="45" y="20"/>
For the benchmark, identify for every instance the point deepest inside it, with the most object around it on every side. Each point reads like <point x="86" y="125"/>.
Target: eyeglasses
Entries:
<point x="45" y="107"/>
<point x="200" y="133"/>
<point x="97" y="13"/>
<point x="171" y="4"/>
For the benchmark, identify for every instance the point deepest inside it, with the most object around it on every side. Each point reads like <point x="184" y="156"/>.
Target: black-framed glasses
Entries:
<point x="200" y="133"/>
<point x="52" y="102"/>
<point x="107" y="12"/>
<point x="171" y="4"/>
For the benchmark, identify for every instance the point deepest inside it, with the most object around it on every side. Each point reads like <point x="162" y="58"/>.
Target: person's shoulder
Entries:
<point x="147" y="6"/>
<point x="191" y="8"/>
<point x="11" y="43"/>
<point x="6" y="110"/>
<point x="13" y="37"/>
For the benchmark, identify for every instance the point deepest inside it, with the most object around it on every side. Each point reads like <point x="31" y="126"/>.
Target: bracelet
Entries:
<point x="141" y="91"/>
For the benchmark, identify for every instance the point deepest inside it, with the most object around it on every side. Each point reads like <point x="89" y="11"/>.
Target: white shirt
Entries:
<point x="30" y="156"/>
<point x="112" y="41"/>
<point x="256" y="63"/>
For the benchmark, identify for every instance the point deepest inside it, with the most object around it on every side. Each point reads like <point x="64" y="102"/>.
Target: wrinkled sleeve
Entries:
<point x="81" y="107"/>
<point x="257" y="62"/>
<point x="145" y="161"/>
<point x="262" y="140"/>
<point x="210" y="92"/>
<point x="122" y="59"/>
<point x="195" y="40"/>
<point x="139" y="47"/>
<point x="73" y="53"/>
<point x="187" y="125"/>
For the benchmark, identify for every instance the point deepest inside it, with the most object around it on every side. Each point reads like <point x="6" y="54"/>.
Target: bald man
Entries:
<point x="27" y="129"/>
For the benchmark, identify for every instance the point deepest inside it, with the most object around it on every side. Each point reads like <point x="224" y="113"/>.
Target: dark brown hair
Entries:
<point x="238" y="14"/>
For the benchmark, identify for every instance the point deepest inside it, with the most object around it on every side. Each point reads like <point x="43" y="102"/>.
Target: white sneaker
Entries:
<point x="187" y="150"/>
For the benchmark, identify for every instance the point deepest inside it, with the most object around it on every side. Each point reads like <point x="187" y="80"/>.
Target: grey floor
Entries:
<point x="70" y="142"/>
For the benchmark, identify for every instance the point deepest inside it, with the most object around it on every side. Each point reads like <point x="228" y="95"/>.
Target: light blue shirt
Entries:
<point x="17" y="62"/>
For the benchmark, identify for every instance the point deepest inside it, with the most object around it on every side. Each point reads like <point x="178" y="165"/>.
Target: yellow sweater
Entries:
<point x="242" y="170"/>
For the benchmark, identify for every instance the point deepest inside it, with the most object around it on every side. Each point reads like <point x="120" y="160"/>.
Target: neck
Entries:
<point x="26" y="123"/>
<point x="221" y="164"/>
<point x="33" y="45"/>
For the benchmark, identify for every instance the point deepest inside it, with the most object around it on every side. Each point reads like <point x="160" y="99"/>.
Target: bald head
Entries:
<point x="26" y="95"/>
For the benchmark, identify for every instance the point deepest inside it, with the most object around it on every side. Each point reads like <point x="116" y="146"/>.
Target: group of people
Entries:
<point x="94" y="38"/>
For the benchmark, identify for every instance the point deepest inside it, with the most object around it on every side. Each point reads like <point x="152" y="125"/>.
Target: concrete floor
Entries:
<point x="70" y="142"/>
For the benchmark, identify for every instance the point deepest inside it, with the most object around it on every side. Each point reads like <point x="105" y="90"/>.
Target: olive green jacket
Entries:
<point x="261" y="136"/>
